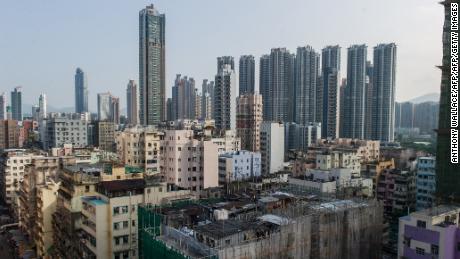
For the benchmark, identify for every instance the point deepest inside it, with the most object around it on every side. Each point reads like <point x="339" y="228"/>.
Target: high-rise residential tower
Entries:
<point x="354" y="102"/>
<point x="447" y="173"/>
<point x="306" y="75"/>
<point x="383" y="92"/>
<point x="183" y="98"/>
<point x="131" y="103"/>
<point x="115" y="110"/>
<point x="81" y="91"/>
<point x="3" y="106"/>
<point x="264" y="85"/>
<point x="207" y="99"/>
<point x="42" y="106"/>
<point x="247" y="74"/>
<point x="16" y="103"/>
<point x="225" y="93"/>
<point x="223" y="61"/>
<point x="329" y="102"/>
<point x="104" y="106"/>
<point x="368" y="114"/>
<point x="151" y="66"/>
<point x="248" y="120"/>
<point x="280" y="86"/>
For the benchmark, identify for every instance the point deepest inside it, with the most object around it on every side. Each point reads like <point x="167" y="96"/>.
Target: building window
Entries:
<point x="419" y="251"/>
<point x="421" y="224"/>
<point x="434" y="249"/>
<point x="407" y="241"/>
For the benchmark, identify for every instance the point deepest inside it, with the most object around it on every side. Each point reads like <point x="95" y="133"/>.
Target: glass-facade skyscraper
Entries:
<point x="355" y="93"/>
<point x="306" y="75"/>
<point x="247" y="74"/>
<point x="81" y="91"/>
<point x="151" y="66"/>
<point x="383" y="93"/>
<point x="16" y="103"/>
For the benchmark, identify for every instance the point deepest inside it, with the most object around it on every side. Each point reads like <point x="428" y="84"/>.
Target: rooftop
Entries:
<point x="122" y="185"/>
<point x="437" y="211"/>
<point x="221" y="229"/>
<point x="87" y="168"/>
<point x="94" y="200"/>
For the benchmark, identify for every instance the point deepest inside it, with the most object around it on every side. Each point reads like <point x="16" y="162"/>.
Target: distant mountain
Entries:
<point x="431" y="97"/>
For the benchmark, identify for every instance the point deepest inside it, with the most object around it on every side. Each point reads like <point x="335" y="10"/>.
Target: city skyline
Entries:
<point x="103" y="76"/>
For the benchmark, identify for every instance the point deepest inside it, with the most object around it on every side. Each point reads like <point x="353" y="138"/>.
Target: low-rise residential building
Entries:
<point x="37" y="202"/>
<point x="339" y="159"/>
<point x="105" y="135"/>
<point x="46" y="206"/>
<point x="238" y="166"/>
<point x="367" y="150"/>
<point x="374" y="169"/>
<point x="76" y="181"/>
<point x="189" y="162"/>
<point x="66" y="128"/>
<point x="12" y="166"/>
<point x="140" y="147"/>
<point x="272" y="147"/>
<point x="109" y="219"/>
<point x="9" y="134"/>
<point x="426" y="182"/>
<point x="430" y="233"/>
<point x="331" y="181"/>
<point x="228" y="142"/>
<point x="396" y="190"/>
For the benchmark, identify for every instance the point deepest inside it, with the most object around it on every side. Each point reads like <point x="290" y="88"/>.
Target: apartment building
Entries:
<point x="238" y="166"/>
<point x="140" y="147"/>
<point x="189" y="162"/>
<point x="66" y="128"/>
<point x="109" y="219"/>
<point x="12" y="166"/>
<point x="430" y="233"/>
<point x="229" y="142"/>
<point x="272" y="147"/>
<point x="426" y="182"/>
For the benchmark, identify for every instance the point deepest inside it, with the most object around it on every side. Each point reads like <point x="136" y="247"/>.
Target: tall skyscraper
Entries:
<point x="247" y="74"/>
<point x="207" y="99"/>
<point x="355" y="93"/>
<point x="81" y="91"/>
<point x="264" y="85"/>
<point x="223" y="61"/>
<point x="329" y="90"/>
<point x="280" y="87"/>
<point x="383" y="92"/>
<point x="131" y="100"/>
<point x="115" y="110"/>
<point x="447" y="173"/>
<point x="16" y="103"/>
<point x="248" y="120"/>
<point x="306" y="75"/>
<point x="104" y="107"/>
<point x="42" y="106"/>
<point x="151" y="66"/>
<point x="3" y="114"/>
<point x="183" y="98"/>
<point x="368" y="114"/>
<point x="225" y="93"/>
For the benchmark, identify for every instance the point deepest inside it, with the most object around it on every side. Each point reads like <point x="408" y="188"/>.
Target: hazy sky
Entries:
<point x="43" y="42"/>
